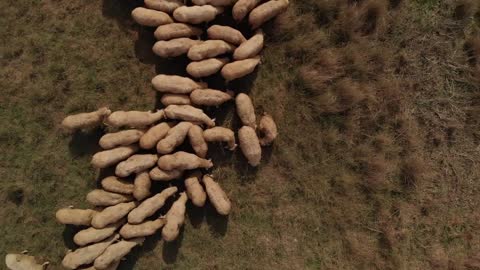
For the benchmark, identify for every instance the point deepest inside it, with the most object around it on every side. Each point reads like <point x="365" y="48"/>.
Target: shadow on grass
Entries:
<point x="131" y="259"/>
<point x="85" y="143"/>
<point x="196" y="215"/>
<point x="121" y="12"/>
<point x="68" y="233"/>
<point x="170" y="249"/>
<point x="218" y="224"/>
<point x="144" y="44"/>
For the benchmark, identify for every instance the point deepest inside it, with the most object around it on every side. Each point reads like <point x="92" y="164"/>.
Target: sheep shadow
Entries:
<point x="69" y="232"/>
<point x="149" y="245"/>
<point x="217" y="224"/>
<point x="84" y="143"/>
<point x="196" y="215"/>
<point x="121" y="11"/>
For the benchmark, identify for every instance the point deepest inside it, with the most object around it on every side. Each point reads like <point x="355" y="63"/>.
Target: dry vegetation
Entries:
<point x="376" y="165"/>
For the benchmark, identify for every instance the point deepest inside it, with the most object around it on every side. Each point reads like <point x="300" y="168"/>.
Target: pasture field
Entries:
<point x="377" y="161"/>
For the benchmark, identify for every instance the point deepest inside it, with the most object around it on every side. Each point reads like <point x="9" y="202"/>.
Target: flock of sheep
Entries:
<point x="142" y="145"/>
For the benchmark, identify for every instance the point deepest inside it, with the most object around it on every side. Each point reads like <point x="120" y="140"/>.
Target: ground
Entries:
<point x="376" y="165"/>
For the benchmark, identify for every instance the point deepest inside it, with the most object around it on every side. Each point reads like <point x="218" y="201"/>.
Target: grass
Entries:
<point x="376" y="166"/>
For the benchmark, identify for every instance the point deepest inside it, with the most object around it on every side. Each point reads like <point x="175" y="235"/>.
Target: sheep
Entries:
<point x="243" y="7"/>
<point x="175" y="84"/>
<point x="206" y="67"/>
<point x="250" y="48"/>
<point x="174" y="47"/>
<point x="83" y="121"/>
<point x="268" y="130"/>
<point x="220" y="134"/>
<point x="266" y="11"/>
<point x="226" y="33"/>
<point x="183" y="161"/>
<point x="176" y="30"/>
<point x="167" y="6"/>
<point x="240" y="68"/>
<point x="196" y="14"/>
<point x="209" y="49"/>
<point x="158" y="174"/>
<point x="188" y="113"/>
<point x="150" y="17"/>
<point x="134" y="119"/>
<point x="245" y="110"/>
<point x="250" y="145"/>
<point x="175" y="99"/>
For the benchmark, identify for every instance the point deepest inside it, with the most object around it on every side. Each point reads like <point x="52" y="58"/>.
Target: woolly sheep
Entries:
<point x="240" y="68"/>
<point x="150" y="17"/>
<point x="206" y="67"/>
<point x="209" y="49"/>
<point x="88" y="120"/>
<point x="226" y="33"/>
<point x="196" y="14"/>
<point x="250" y="145"/>
<point x="176" y="30"/>
<point x="174" y="47"/>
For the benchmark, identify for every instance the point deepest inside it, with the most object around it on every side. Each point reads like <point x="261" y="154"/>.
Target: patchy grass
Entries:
<point x="376" y="166"/>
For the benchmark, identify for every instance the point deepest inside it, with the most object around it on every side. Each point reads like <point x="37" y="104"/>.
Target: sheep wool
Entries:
<point x="226" y="33"/>
<point x="175" y="84"/>
<point x="176" y="30"/>
<point x="88" y="120"/>
<point x="268" y="130"/>
<point x="243" y="7"/>
<point x="221" y="134"/>
<point x="175" y="99"/>
<point x="245" y="110"/>
<point x="240" y="68"/>
<point x="174" y="47"/>
<point x="209" y="49"/>
<point x="167" y="6"/>
<point x="133" y="119"/>
<point x="210" y="97"/>
<point x="206" y="67"/>
<point x="250" y="48"/>
<point x="150" y="17"/>
<point x="188" y="113"/>
<point x="196" y="14"/>
<point x="266" y="11"/>
<point x="250" y="145"/>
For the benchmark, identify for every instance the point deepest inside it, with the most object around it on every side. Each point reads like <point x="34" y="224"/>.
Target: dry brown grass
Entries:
<point x="414" y="169"/>
<point x="472" y="48"/>
<point x="322" y="71"/>
<point x="376" y="172"/>
<point x="349" y="93"/>
<point x="376" y="165"/>
<point x="362" y="19"/>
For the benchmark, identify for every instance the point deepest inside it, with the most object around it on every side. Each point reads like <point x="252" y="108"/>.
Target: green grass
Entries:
<point x="382" y="177"/>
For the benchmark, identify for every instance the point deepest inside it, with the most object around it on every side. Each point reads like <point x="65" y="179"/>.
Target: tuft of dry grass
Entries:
<point x="364" y="250"/>
<point x="349" y="93"/>
<point x="472" y="48"/>
<point x="289" y="25"/>
<point x="376" y="172"/>
<point x="438" y="257"/>
<point x="413" y="171"/>
<point x="395" y="3"/>
<point x="322" y="71"/>
<point x="362" y="19"/>
<point x="473" y="262"/>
